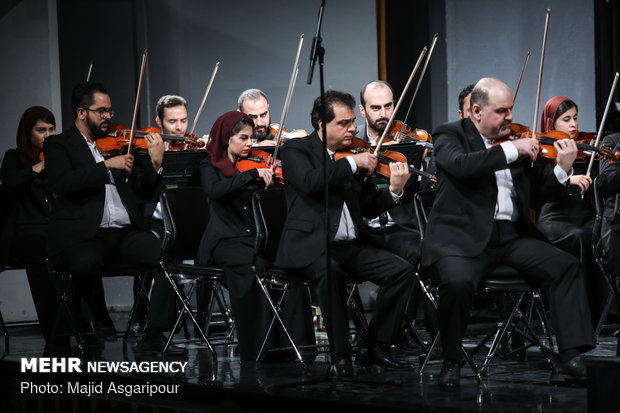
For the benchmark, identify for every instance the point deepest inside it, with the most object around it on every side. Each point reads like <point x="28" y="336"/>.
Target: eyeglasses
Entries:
<point x="102" y="112"/>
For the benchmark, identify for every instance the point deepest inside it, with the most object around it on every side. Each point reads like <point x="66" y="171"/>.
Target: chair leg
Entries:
<point x="276" y="314"/>
<point x="220" y="299"/>
<point x="502" y="332"/>
<point x="429" y="353"/>
<point x="183" y="301"/>
<point x="601" y="320"/>
<point x="63" y="285"/>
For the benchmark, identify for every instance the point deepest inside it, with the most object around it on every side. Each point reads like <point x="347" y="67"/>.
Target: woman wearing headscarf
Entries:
<point x="228" y="240"/>
<point x="567" y="221"/>
<point x="23" y="173"/>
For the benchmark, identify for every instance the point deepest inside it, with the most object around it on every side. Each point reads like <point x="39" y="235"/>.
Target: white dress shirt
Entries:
<point x="114" y="213"/>
<point x="505" y="207"/>
<point x="346" y="228"/>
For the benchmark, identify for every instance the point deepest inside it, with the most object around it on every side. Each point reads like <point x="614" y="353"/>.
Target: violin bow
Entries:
<point x="90" y="69"/>
<point x="287" y="100"/>
<point x="540" y="73"/>
<point x="527" y="57"/>
<point x="415" y="93"/>
<point x="204" y="98"/>
<point x="400" y="100"/>
<point x="603" y="120"/>
<point x="135" y="109"/>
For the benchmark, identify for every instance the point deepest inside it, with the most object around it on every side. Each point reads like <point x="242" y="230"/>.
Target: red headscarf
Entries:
<point x="548" y="116"/>
<point x="218" y="142"/>
<point x="28" y="155"/>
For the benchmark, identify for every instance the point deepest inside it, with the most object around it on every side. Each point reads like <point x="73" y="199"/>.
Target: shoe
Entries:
<point x="344" y="365"/>
<point x="104" y="332"/>
<point x="155" y="345"/>
<point x="450" y="376"/>
<point x="568" y="373"/>
<point x="380" y="355"/>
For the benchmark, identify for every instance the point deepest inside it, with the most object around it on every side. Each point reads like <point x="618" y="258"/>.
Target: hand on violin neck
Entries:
<point x="567" y="152"/>
<point x="156" y="149"/>
<point x="366" y="161"/>
<point x="121" y="162"/>
<point x="526" y="147"/>
<point x="399" y="175"/>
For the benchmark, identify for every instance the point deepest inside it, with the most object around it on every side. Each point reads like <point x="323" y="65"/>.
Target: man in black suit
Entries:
<point x="397" y="226"/>
<point x="481" y="217"/>
<point x="353" y="250"/>
<point x="96" y="219"/>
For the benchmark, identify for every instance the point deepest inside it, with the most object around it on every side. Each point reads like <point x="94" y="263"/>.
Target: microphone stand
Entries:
<point x="318" y="52"/>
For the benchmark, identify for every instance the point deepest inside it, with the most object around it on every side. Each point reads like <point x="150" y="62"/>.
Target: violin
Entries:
<point x="117" y="141"/>
<point x="286" y="135"/>
<point x="402" y="133"/>
<point x="384" y="158"/>
<point x="260" y="159"/>
<point x="547" y="139"/>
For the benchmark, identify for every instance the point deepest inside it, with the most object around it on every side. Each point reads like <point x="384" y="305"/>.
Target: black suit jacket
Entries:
<point x="461" y="218"/>
<point x="303" y="237"/>
<point x="79" y="184"/>
<point x="230" y="207"/>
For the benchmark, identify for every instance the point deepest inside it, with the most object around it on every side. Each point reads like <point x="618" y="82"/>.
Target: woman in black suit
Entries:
<point x="228" y="240"/>
<point x="23" y="173"/>
<point x="567" y="220"/>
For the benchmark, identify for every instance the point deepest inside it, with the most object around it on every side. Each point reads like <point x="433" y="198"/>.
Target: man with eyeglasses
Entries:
<point x="96" y="221"/>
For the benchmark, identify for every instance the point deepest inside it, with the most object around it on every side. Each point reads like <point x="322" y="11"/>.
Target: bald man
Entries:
<point x="481" y="217"/>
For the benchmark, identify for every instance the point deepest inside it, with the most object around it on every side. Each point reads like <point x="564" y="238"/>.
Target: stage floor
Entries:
<point x="231" y="386"/>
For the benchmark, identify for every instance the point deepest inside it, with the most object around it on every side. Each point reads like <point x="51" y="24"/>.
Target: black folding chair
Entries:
<point x="183" y="231"/>
<point x="269" y="208"/>
<point x="499" y="279"/>
<point x="68" y="296"/>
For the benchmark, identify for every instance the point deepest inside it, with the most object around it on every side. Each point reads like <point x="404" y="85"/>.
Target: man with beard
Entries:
<point x="253" y="102"/>
<point x="376" y="106"/>
<point x="397" y="226"/>
<point x="95" y="220"/>
<point x="481" y="217"/>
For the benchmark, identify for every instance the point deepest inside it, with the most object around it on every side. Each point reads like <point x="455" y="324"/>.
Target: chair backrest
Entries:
<point x="601" y="230"/>
<point x="422" y="202"/>
<point x="186" y="214"/>
<point x="269" y="207"/>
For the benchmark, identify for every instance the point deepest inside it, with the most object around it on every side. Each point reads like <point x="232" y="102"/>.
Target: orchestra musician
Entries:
<point x="481" y="217"/>
<point x="228" y="240"/>
<point x="397" y="227"/>
<point x="609" y="186"/>
<point x="24" y="174"/>
<point x="171" y="117"/>
<point x="464" y="97"/>
<point x="96" y="221"/>
<point x="567" y="221"/>
<point x="254" y="103"/>
<point x="353" y="249"/>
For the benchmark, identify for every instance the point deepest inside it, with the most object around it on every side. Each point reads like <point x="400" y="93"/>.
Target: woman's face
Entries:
<point x="39" y="132"/>
<point x="567" y="122"/>
<point x="239" y="144"/>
